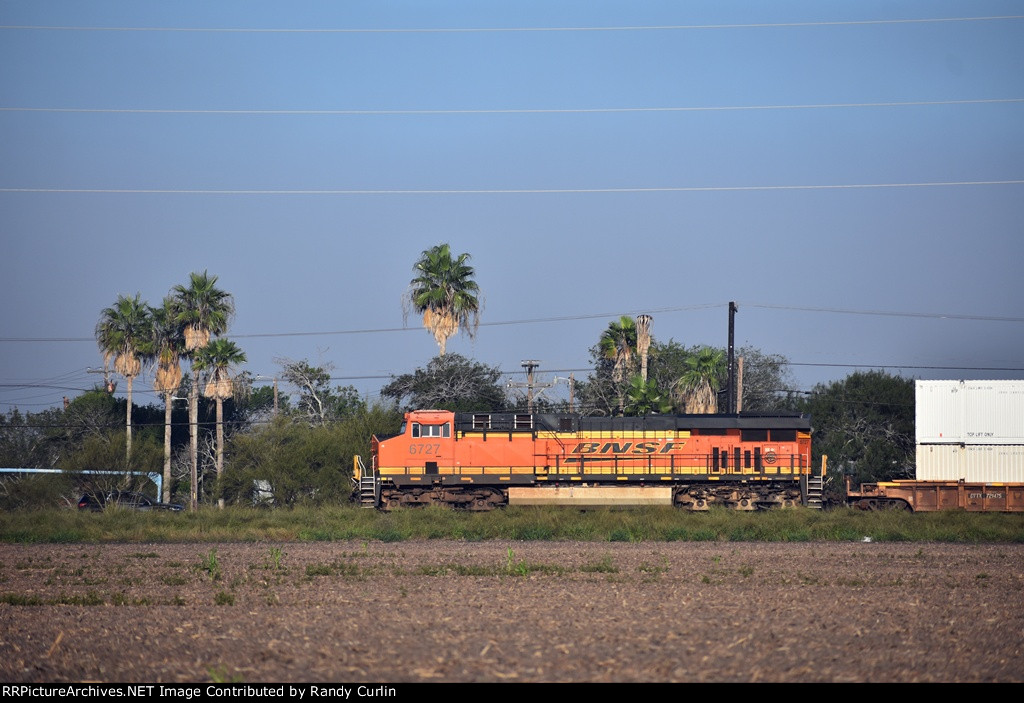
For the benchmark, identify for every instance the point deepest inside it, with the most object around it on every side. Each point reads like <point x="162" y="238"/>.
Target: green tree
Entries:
<point x="767" y="382"/>
<point x="646" y="398"/>
<point x="124" y="334"/>
<point x="255" y="403"/>
<point x="766" y="378"/>
<point x="99" y="463"/>
<point x="445" y="294"/>
<point x="450" y="382"/>
<point x="203" y="310"/>
<point x="302" y="464"/>
<point x="106" y="453"/>
<point x="699" y="384"/>
<point x="168" y="343"/>
<point x="216" y="359"/>
<point x="865" y="424"/>
<point x="668" y="363"/>
<point x="317" y="401"/>
<point x="93" y="413"/>
<point x="30" y="440"/>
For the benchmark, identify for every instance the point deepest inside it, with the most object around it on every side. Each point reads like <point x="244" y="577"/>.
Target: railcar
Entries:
<point x="926" y="496"/>
<point x="479" y="461"/>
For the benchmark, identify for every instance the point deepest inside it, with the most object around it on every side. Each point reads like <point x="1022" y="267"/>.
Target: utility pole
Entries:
<point x="731" y="396"/>
<point x="108" y="385"/>
<point x="530" y="365"/>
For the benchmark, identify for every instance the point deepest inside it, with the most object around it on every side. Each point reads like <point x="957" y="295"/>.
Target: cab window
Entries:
<point x="444" y="430"/>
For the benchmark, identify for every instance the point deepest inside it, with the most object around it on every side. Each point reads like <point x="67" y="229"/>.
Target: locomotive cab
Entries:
<point x="428" y="439"/>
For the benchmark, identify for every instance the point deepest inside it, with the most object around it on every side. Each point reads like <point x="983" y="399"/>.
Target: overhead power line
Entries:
<point x="472" y="30"/>
<point x="505" y="191"/>
<point x="889" y="313"/>
<point x="509" y="111"/>
<point x="587" y="316"/>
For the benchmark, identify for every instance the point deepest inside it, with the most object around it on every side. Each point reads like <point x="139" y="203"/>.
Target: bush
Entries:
<point x="35" y="491"/>
<point x="287" y="464"/>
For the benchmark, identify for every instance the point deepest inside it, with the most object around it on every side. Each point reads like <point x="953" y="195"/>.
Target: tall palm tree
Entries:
<point x="216" y="359"/>
<point x="445" y="294"/>
<point x="618" y="345"/>
<point x="123" y="334"/>
<point x="203" y="310"/>
<point x="643" y="341"/>
<point x="168" y="347"/>
<point x="702" y="379"/>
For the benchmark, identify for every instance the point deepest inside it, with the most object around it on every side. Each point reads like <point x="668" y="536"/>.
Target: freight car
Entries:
<point x="922" y="496"/>
<point x="970" y="451"/>
<point x="479" y="461"/>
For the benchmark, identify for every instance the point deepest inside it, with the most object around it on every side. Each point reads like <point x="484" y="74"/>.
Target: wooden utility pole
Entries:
<point x="531" y="384"/>
<point x="731" y="395"/>
<point x="530" y="365"/>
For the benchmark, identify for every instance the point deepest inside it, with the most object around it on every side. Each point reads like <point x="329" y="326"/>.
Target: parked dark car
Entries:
<point x="124" y="499"/>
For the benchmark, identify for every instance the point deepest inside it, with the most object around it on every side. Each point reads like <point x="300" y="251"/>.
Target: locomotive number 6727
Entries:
<point x="479" y="461"/>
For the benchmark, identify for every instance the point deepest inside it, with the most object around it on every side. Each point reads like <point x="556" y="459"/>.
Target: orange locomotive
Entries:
<point x="479" y="461"/>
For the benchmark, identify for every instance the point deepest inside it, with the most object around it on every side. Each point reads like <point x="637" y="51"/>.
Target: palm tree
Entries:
<point x="203" y="310"/>
<point x="702" y="379"/>
<point x="445" y="294"/>
<point x="643" y="341"/>
<point x="618" y="345"/>
<point x="217" y="358"/>
<point x="123" y="335"/>
<point x="645" y="398"/>
<point x="168" y="347"/>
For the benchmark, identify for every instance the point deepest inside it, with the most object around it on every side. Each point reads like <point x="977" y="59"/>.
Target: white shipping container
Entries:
<point x="972" y="463"/>
<point x="969" y="412"/>
<point x="938" y="411"/>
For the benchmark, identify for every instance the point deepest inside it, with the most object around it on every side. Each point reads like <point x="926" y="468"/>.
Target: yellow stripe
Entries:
<point x="573" y="471"/>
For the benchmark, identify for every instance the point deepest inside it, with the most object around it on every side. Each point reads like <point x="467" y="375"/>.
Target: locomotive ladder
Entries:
<point x="815" y="487"/>
<point x="369" y="486"/>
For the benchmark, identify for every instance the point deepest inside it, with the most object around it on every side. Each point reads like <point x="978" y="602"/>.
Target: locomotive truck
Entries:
<point x="482" y="460"/>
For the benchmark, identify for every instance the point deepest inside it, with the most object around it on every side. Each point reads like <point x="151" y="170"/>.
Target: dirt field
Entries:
<point x="499" y="611"/>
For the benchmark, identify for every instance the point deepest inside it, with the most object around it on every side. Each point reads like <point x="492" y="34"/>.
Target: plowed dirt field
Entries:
<point x="443" y="611"/>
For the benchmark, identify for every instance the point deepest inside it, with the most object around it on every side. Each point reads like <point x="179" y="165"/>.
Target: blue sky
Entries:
<point x="819" y="163"/>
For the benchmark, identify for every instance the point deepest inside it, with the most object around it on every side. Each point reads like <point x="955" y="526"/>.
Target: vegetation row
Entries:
<point x="515" y="523"/>
<point x="218" y="438"/>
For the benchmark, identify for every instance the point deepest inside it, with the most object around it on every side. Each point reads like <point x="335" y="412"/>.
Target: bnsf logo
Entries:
<point x="626" y="448"/>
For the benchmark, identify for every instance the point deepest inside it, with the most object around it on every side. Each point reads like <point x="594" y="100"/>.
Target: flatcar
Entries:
<point x="479" y="461"/>
<point x="927" y="496"/>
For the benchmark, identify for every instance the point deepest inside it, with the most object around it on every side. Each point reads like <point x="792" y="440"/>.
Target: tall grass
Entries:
<point x="514" y="523"/>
